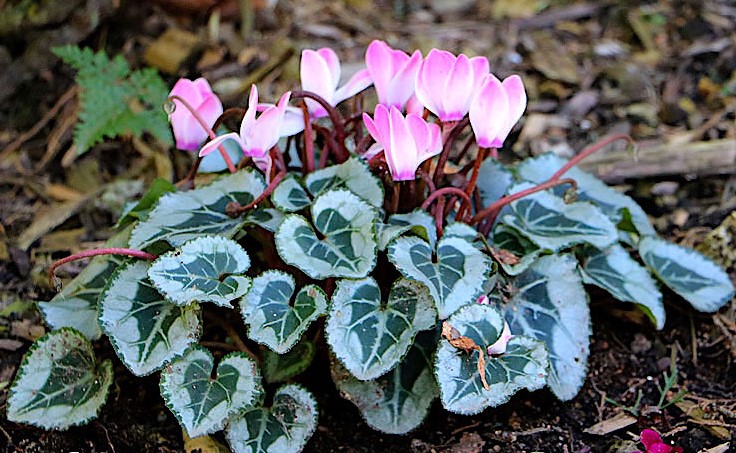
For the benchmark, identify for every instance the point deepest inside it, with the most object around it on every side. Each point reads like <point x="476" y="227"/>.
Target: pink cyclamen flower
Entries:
<point x="653" y="443"/>
<point x="446" y="84"/>
<point x="496" y="108"/>
<point x="320" y="74"/>
<point x="406" y="141"/>
<point x="257" y="136"/>
<point x="188" y="132"/>
<point x="499" y="347"/>
<point x="393" y="73"/>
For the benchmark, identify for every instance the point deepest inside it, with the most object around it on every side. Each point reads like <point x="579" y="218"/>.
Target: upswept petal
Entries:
<point x="432" y="77"/>
<point x="380" y="63"/>
<point x="434" y="144"/>
<point x="402" y="151"/>
<point x="293" y="119"/>
<point x="458" y="90"/>
<point x="217" y="141"/>
<point x="373" y="151"/>
<point x="265" y="135"/>
<point x="210" y="109"/>
<point x="187" y="130"/>
<point x="333" y="63"/>
<point x="316" y="77"/>
<point x="401" y="87"/>
<point x="372" y="128"/>
<point x="414" y="106"/>
<point x="516" y="94"/>
<point x="357" y="83"/>
<point x="203" y="86"/>
<point x="380" y="126"/>
<point x="189" y="90"/>
<point x="249" y="118"/>
<point x="419" y="131"/>
<point x="481" y="68"/>
<point x="488" y="112"/>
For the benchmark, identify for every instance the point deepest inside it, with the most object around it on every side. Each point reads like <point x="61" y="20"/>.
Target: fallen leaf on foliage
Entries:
<point x="698" y="415"/>
<point x="618" y="421"/>
<point x="203" y="444"/>
<point x="723" y="448"/>
<point x="48" y="219"/>
<point x="170" y="50"/>
<point x="468" y="345"/>
<point x="27" y="330"/>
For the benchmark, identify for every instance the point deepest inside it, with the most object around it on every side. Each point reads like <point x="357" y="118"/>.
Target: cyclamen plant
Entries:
<point x="429" y="269"/>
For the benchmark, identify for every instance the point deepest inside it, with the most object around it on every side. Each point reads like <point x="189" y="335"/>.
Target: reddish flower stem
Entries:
<point x="439" y="217"/>
<point x="445" y="154"/>
<point x="473" y="180"/>
<point x="494" y="208"/>
<point x="97" y="252"/>
<point x="308" y="139"/>
<point x="234" y="209"/>
<point x="445" y="191"/>
<point x="209" y="131"/>
<point x="590" y="150"/>
<point x="337" y="121"/>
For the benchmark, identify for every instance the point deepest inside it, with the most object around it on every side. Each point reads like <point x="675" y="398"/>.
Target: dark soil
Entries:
<point x="627" y="356"/>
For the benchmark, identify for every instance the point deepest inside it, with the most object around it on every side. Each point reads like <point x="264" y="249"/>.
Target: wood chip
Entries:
<point x="618" y="421"/>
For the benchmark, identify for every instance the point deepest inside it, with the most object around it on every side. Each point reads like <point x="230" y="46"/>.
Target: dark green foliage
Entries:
<point x="114" y="100"/>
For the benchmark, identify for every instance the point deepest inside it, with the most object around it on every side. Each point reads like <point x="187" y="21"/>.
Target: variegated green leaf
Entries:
<point x="59" y="384"/>
<point x="691" y="275"/>
<point x="284" y="427"/>
<point x="145" y="330"/>
<point x="267" y="218"/>
<point x="282" y="367"/>
<point x="290" y="196"/>
<point x="353" y="175"/>
<point x="398" y="401"/>
<point x="345" y="245"/>
<point x="201" y="403"/>
<point x="455" y="273"/>
<point x="272" y="318"/>
<point x="549" y="303"/>
<point x="615" y="271"/>
<point x="493" y="181"/>
<point x="417" y="222"/>
<point x="181" y="216"/>
<point x="553" y="224"/>
<point x="206" y="269"/>
<point x="508" y="239"/>
<point x="75" y="305"/>
<point x="590" y="188"/>
<point x="370" y="336"/>
<point x="461" y="230"/>
<point x="523" y="366"/>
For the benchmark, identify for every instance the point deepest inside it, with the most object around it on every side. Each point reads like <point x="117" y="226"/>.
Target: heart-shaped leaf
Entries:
<point x="398" y="401"/>
<point x="417" y="222"/>
<point x="145" y="330"/>
<point x="282" y="367"/>
<point x="515" y="252"/>
<point x="290" y="196"/>
<point x="691" y="275"/>
<point x="272" y="319"/>
<point x="75" y="305"/>
<point x="493" y="181"/>
<point x="59" y="383"/>
<point x="523" y="366"/>
<point x="549" y="303"/>
<point x="284" y="427"/>
<point x="461" y="230"/>
<point x="345" y="245"/>
<point x="615" y="271"/>
<point x="553" y="224"/>
<point x="206" y="269"/>
<point x="201" y="403"/>
<point x="369" y="336"/>
<point x="181" y="216"/>
<point x="612" y="202"/>
<point x="353" y="175"/>
<point x="455" y="273"/>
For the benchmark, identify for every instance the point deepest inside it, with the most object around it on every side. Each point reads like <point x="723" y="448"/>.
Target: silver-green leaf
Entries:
<point x="353" y="175"/>
<point x="525" y="251"/>
<point x="282" y="367"/>
<point x="346" y="244"/>
<point x="549" y="303"/>
<point x="691" y="275"/>
<point x="523" y="366"/>
<point x="614" y="270"/>
<point x="290" y="196"/>
<point x="398" y="401"/>
<point x="206" y="269"/>
<point x="272" y="319"/>
<point x="181" y="216"/>
<point x="285" y="427"/>
<point x="417" y="222"/>
<point x="59" y="384"/>
<point x="145" y="330"/>
<point x="553" y="224"/>
<point x="455" y="273"/>
<point x="369" y="336"/>
<point x="203" y="404"/>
